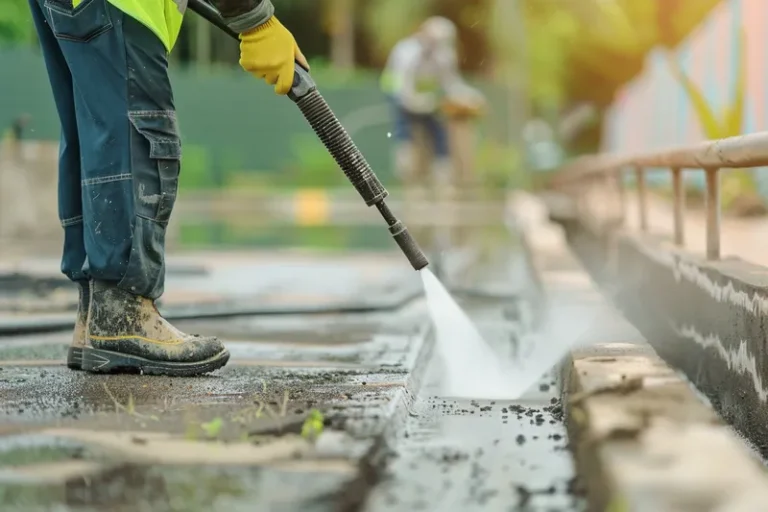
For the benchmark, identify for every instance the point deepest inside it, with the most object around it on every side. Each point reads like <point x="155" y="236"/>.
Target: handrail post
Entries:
<point x="678" y="193"/>
<point x="641" y="198"/>
<point x="713" y="213"/>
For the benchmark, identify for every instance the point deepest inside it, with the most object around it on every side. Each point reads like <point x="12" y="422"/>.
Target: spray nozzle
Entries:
<point x="404" y="240"/>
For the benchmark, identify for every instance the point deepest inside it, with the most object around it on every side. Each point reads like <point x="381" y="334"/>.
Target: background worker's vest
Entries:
<point x="391" y="83"/>
<point x="163" y="17"/>
<point x="405" y="53"/>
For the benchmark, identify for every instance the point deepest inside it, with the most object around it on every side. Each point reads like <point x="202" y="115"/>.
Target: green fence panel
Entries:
<point x="232" y="123"/>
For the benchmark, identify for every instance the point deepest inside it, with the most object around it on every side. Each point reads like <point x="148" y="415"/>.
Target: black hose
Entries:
<point x="33" y="326"/>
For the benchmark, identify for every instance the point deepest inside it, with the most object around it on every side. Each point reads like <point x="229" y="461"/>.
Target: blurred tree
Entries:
<point x="472" y="18"/>
<point x="15" y="22"/>
<point x="388" y="21"/>
<point x="339" y="18"/>
<point x="614" y="36"/>
<point x="583" y="51"/>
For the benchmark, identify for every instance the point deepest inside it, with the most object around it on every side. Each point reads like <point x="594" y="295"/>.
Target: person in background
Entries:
<point x="421" y="71"/>
<point x="119" y="164"/>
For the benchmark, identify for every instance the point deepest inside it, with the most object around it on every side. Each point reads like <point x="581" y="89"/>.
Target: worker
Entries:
<point x="421" y="71"/>
<point x="119" y="163"/>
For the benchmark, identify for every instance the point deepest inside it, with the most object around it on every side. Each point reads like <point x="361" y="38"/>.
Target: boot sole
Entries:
<point x="95" y="360"/>
<point x="75" y="358"/>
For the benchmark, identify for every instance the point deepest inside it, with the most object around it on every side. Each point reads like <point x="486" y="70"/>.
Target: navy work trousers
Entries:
<point x="434" y="125"/>
<point x="120" y="149"/>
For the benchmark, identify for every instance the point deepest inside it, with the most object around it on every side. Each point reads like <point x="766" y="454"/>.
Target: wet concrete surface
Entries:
<point x="483" y="455"/>
<point x="236" y="439"/>
<point x="480" y="454"/>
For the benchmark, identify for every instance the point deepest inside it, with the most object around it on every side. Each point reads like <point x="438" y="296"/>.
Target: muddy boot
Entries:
<point x="127" y="334"/>
<point x="75" y="354"/>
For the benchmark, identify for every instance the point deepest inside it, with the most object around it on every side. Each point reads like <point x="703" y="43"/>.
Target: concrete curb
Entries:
<point x="641" y="436"/>
<point x="371" y="467"/>
<point x="709" y="315"/>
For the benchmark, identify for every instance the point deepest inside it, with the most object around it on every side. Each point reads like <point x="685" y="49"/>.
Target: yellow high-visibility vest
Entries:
<point x="163" y="17"/>
<point x="400" y="64"/>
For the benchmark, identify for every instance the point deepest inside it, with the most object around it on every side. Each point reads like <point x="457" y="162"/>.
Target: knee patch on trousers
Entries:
<point x="157" y="162"/>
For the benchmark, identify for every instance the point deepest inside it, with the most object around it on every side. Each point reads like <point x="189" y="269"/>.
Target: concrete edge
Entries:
<point x="371" y="466"/>
<point x="641" y="437"/>
<point x="706" y="318"/>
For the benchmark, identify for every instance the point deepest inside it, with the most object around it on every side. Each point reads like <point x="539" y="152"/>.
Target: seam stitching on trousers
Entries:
<point x="72" y="221"/>
<point x="153" y="113"/>
<point x="106" y="179"/>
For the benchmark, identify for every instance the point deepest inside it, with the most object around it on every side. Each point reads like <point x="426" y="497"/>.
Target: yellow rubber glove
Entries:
<point x="269" y="52"/>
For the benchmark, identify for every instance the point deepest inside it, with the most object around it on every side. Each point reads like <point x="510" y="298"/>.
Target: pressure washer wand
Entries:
<point x="338" y="143"/>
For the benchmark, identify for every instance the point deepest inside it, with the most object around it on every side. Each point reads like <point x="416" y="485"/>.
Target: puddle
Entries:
<point x="183" y="489"/>
<point x="38" y="449"/>
<point x="59" y="471"/>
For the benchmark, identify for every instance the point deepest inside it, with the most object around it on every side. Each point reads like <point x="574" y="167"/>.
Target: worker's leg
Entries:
<point x="439" y="136"/>
<point x="70" y="204"/>
<point x="130" y="156"/>
<point x="129" y="142"/>
<point x="405" y="154"/>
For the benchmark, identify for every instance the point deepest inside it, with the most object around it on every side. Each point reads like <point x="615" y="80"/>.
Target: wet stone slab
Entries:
<point x="61" y="429"/>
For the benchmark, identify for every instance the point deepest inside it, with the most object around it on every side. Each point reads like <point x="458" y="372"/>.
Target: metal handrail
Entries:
<point x="710" y="156"/>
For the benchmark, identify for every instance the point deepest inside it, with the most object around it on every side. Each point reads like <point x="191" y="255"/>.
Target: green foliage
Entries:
<point x="313" y="425"/>
<point x="311" y="165"/>
<point x="329" y="77"/>
<point x="195" y="234"/>
<point x="618" y="504"/>
<point x="196" y="168"/>
<point x="388" y="21"/>
<point x="15" y="22"/>
<point x="212" y="428"/>
<point x="549" y="41"/>
<point x="500" y="167"/>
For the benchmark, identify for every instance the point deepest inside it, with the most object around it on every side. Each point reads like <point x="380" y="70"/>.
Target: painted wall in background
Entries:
<point x="653" y="111"/>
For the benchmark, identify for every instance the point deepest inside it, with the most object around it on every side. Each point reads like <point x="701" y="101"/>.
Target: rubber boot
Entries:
<point x="75" y="353"/>
<point x="127" y="334"/>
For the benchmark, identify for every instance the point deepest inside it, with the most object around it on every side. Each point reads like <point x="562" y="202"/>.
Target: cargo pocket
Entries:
<point x="156" y="179"/>
<point x="80" y="24"/>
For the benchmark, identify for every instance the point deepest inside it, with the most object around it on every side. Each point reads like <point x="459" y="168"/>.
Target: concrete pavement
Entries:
<point x="242" y="438"/>
<point x="234" y="440"/>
